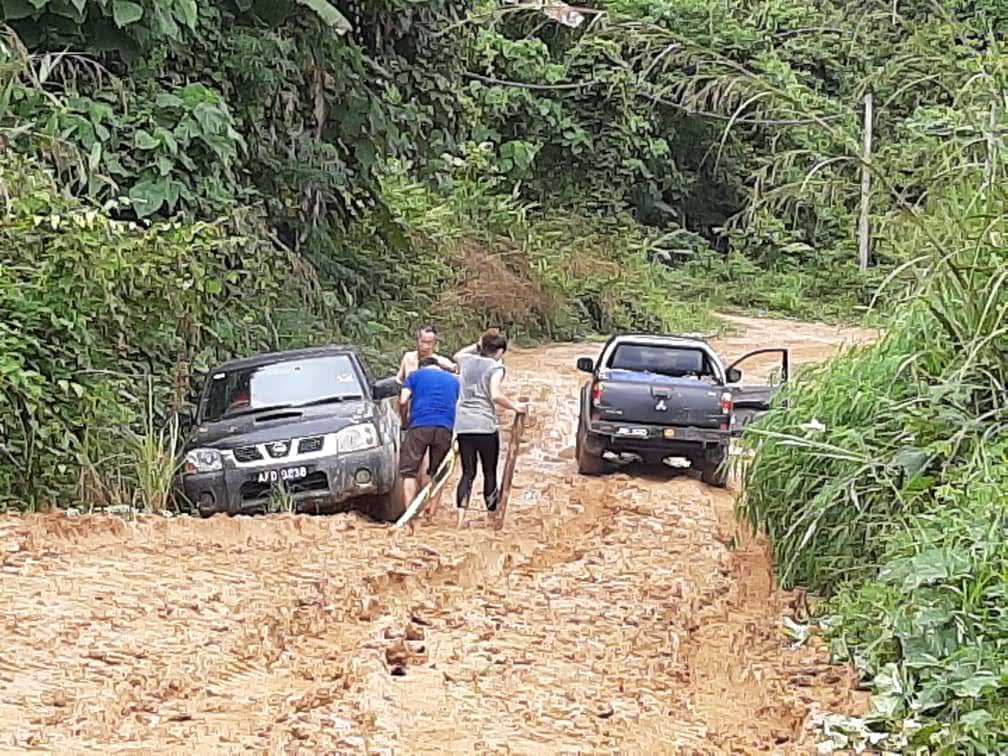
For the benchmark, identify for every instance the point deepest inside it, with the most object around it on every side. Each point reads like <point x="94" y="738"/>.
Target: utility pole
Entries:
<point x="864" y="231"/>
<point x="992" y="148"/>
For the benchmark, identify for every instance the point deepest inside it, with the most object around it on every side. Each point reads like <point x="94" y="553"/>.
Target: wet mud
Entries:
<point x="625" y="613"/>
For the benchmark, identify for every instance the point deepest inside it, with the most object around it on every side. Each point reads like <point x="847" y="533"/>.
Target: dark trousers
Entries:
<point x="486" y="446"/>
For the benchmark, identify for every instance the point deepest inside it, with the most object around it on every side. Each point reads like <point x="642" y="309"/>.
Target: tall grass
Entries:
<point x="882" y="483"/>
<point x="154" y="457"/>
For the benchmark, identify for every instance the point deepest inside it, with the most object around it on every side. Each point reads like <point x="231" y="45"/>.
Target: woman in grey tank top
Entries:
<point x="476" y="423"/>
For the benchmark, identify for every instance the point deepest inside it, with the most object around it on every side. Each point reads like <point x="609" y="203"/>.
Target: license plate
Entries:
<point x="632" y="432"/>
<point x="283" y="474"/>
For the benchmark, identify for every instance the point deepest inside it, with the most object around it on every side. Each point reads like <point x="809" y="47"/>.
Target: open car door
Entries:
<point x="753" y="399"/>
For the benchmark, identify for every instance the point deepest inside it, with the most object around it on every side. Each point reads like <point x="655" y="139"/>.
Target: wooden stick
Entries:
<point x="509" y="465"/>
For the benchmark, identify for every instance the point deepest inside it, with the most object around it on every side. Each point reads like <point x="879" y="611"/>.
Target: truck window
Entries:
<point x="291" y="382"/>
<point x="677" y="362"/>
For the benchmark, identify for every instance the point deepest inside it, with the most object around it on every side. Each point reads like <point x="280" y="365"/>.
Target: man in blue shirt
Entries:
<point x="428" y="400"/>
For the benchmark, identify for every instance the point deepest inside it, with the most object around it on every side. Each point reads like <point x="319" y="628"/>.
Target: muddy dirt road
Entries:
<point x="623" y="613"/>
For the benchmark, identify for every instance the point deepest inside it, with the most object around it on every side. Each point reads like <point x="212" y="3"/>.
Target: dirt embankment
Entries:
<point x="622" y="613"/>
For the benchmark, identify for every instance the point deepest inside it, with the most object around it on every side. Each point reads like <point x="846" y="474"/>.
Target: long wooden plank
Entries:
<point x="514" y="445"/>
<point x="436" y="483"/>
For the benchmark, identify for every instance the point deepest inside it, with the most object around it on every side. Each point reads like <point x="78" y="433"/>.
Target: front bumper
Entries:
<point x="331" y="482"/>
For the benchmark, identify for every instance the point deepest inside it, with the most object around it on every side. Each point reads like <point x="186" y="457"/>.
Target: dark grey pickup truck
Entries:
<point x="310" y="423"/>
<point x="653" y="398"/>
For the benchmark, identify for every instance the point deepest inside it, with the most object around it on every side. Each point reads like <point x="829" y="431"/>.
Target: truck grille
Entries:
<point x="247" y="454"/>
<point x="255" y="491"/>
<point x="308" y="445"/>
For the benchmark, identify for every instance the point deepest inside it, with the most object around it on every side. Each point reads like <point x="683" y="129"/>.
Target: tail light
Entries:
<point x="596" y="393"/>
<point x="727" y="403"/>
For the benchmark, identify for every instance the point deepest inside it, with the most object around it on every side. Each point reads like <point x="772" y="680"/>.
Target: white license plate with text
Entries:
<point x="284" y="474"/>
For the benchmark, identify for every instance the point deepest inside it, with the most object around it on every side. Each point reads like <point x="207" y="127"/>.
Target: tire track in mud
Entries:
<point x="609" y="614"/>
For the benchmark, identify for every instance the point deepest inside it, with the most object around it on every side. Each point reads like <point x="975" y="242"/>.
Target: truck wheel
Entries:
<point x="390" y="507"/>
<point x="713" y="471"/>
<point x="587" y="463"/>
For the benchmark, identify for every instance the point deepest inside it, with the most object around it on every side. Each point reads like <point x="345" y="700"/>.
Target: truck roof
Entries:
<point x="291" y="354"/>
<point x="659" y="340"/>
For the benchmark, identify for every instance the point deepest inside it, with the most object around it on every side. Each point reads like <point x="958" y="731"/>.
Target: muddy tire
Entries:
<point x="390" y="507"/>
<point x="587" y="463"/>
<point x="713" y="470"/>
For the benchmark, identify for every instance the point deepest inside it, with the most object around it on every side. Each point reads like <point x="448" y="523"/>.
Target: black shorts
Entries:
<point x="416" y="443"/>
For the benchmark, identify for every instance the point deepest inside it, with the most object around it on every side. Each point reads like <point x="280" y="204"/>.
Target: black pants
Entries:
<point x="487" y="447"/>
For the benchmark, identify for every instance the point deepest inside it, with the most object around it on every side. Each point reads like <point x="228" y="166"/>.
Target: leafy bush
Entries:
<point x="881" y="478"/>
<point x="90" y="307"/>
<point x="471" y="254"/>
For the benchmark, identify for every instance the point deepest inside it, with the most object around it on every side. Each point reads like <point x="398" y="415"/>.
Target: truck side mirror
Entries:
<point x="386" y="388"/>
<point x="733" y="375"/>
<point x="586" y="365"/>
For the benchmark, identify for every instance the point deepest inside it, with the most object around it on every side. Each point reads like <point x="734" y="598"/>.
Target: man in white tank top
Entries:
<point x="427" y="339"/>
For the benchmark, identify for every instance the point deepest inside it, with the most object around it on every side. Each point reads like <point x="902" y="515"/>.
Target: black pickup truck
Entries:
<point x="652" y="398"/>
<point x="310" y="423"/>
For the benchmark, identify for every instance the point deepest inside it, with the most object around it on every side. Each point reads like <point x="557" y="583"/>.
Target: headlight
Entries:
<point x="203" y="461"/>
<point x="357" y="438"/>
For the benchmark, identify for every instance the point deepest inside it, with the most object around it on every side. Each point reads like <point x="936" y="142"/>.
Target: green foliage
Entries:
<point x="469" y="255"/>
<point x="882" y="478"/>
<point x="91" y="307"/>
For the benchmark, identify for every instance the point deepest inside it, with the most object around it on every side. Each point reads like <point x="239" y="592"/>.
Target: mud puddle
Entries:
<point x="627" y="613"/>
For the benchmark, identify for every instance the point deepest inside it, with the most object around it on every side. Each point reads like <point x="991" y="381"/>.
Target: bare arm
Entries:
<point x="446" y="364"/>
<point x="404" y="404"/>
<point x="401" y="375"/>
<point x="472" y="349"/>
<point x="498" y="398"/>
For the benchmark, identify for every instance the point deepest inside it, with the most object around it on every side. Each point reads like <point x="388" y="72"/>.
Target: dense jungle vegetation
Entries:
<point x="182" y="181"/>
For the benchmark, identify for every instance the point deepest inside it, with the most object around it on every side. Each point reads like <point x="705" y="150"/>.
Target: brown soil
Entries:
<point x="624" y="613"/>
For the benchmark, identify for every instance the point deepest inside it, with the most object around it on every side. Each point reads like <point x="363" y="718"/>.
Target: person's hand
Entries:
<point x="521" y="408"/>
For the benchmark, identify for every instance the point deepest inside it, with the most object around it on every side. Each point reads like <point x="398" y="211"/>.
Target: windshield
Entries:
<point x="282" y="384"/>
<point x="672" y="361"/>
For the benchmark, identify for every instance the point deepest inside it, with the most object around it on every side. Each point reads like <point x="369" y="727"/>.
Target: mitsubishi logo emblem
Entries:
<point x="660" y="407"/>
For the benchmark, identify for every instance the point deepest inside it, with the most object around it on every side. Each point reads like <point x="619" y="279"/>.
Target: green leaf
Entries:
<point x="187" y="12"/>
<point x="149" y="196"/>
<point x="126" y="12"/>
<point x="329" y="14"/>
<point x="165" y="165"/>
<point x="144" y="141"/>
<point x="165" y="100"/>
<point x="913" y="461"/>
<point x="973" y="686"/>
<point x="15" y="10"/>
<point x="71" y="9"/>
<point x="976" y="718"/>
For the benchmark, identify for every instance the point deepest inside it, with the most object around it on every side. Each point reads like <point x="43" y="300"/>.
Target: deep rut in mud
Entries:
<point x="621" y="613"/>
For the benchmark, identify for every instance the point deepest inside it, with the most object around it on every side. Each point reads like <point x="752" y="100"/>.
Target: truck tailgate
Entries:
<point x="653" y="399"/>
